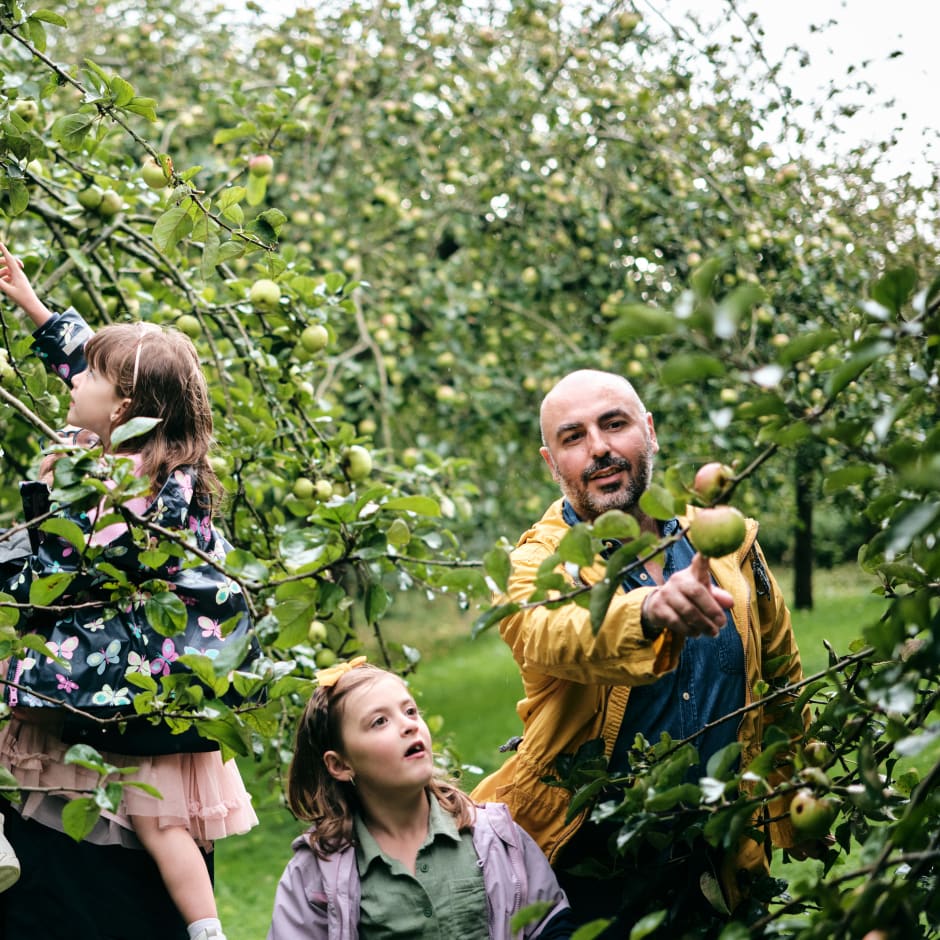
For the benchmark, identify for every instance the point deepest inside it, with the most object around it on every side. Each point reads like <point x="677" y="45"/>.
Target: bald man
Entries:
<point x="681" y="646"/>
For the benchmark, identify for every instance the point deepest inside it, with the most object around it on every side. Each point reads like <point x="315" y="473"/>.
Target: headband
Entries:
<point x="327" y="678"/>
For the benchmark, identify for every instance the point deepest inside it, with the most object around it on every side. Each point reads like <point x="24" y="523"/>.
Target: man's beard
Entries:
<point x="624" y="496"/>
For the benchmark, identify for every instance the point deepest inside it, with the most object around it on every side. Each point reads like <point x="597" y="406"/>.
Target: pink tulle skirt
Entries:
<point x="199" y="791"/>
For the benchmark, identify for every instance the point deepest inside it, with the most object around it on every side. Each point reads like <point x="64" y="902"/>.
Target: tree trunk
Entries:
<point x="804" y="481"/>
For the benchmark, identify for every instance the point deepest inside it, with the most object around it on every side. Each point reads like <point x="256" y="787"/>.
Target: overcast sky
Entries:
<point x="870" y="30"/>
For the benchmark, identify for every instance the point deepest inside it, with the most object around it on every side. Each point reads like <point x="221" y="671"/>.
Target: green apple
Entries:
<point x="27" y="109"/>
<point x="153" y="173"/>
<point x="812" y="815"/>
<point x="323" y="490"/>
<point x="7" y="372"/>
<point x="398" y="533"/>
<point x="816" y="754"/>
<point x="314" y="337"/>
<point x="261" y="164"/>
<point x="90" y="197"/>
<point x="111" y="203"/>
<point x="316" y="632"/>
<point x="190" y="325"/>
<point x="358" y="462"/>
<point x="265" y="293"/>
<point x="530" y="275"/>
<point x="711" y="479"/>
<point x="325" y="658"/>
<point x="304" y="488"/>
<point x="718" y="531"/>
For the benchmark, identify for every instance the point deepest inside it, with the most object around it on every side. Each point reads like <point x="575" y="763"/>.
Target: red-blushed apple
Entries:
<point x="811" y="815"/>
<point x="711" y="479"/>
<point x="261" y="164"/>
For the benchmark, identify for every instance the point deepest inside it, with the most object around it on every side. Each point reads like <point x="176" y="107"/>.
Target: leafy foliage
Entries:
<point x="471" y="202"/>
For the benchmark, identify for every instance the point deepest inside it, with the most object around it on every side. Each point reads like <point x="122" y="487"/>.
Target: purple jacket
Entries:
<point x="318" y="899"/>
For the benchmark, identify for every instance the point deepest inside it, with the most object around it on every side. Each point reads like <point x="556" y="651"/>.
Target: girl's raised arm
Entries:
<point x="15" y="284"/>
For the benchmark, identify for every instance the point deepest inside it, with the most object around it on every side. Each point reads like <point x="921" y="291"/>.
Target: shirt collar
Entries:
<point x="440" y="825"/>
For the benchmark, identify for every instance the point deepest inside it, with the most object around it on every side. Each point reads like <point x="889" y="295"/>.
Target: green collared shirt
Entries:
<point x="443" y="900"/>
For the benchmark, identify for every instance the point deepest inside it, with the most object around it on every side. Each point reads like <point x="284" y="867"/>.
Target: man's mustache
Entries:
<point x="605" y="463"/>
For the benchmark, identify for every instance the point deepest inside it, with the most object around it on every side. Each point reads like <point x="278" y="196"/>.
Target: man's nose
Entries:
<point x="597" y="441"/>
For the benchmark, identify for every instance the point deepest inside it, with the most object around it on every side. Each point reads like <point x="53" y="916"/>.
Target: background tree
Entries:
<point x="390" y="229"/>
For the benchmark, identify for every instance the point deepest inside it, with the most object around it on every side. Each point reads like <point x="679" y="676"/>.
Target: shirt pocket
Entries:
<point x="466" y="914"/>
<point x="730" y="651"/>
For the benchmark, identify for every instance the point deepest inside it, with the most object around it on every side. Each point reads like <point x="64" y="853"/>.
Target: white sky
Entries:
<point x="864" y="30"/>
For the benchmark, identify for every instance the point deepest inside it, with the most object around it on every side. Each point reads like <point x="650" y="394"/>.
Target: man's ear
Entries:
<point x="547" y="457"/>
<point x="337" y="767"/>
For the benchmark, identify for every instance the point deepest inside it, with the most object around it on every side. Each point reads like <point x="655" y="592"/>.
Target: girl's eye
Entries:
<point x="378" y="722"/>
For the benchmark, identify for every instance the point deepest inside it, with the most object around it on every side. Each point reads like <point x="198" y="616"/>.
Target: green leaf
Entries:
<point x="601" y="595"/>
<point x="421" y="505"/>
<point x="79" y="817"/>
<point x="895" y="288"/>
<point x="244" y="564"/>
<point x="577" y="547"/>
<point x="703" y="277"/>
<point x="497" y="565"/>
<point x="70" y="130"/>
<point x="67" y="530"/>
<point x="44" y="591"/>
<point x="18" y="194"/>
<point x="732" y="308"/>
<point x="227" y="134"/>
<point x="256" y="190"/>
<point x="799" y="347"/>
<point x="136" y="427"/>
<point x="531" y="914"/>
<point x="376" y="603"/>
<point x="491" y="616"/>
<point x="36" y="33"/>
<point x="658" y="502"/>
<point x="171" y="228"/>
<point x="646" y="925"/>
<point x="166" y="613"/>
<point x="638" y="320"/>
<point x="145" y="107"/>
<point x="47" y="16"/>
<point x="690" y="367"/>
<point x="863" y="356"/>
<point x="722" y="763"/>
<point x="615" y="524"/>
<point x="122" y="91"/>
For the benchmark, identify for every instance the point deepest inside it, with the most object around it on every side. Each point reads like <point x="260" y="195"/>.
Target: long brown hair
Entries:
<point x="158" y="370"/>
<point x="314" y="795"/>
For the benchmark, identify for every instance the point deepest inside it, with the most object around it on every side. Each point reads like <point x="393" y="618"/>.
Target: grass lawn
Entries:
<point x="470" y="688"/>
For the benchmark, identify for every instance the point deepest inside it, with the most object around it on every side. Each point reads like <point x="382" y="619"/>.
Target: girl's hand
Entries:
<point x="15" y="284"/>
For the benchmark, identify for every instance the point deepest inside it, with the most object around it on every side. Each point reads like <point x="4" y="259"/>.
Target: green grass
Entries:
<point x="468" y="690"/>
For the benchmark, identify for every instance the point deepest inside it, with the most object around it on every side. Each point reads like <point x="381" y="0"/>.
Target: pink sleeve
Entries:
<point x="115" y="530"/>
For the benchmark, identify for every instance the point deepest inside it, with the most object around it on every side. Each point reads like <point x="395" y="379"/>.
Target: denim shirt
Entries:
<point x="707" y="684"/>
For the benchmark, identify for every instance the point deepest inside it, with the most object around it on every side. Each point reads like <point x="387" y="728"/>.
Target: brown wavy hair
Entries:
<point x="315" y="796"/>
<point x="158" y="370"/>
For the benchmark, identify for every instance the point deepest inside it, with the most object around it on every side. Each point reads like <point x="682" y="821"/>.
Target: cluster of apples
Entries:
<point x="715" y="530"/>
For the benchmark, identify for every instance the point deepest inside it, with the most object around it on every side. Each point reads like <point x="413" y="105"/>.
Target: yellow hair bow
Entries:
<point x="332" y="674"/>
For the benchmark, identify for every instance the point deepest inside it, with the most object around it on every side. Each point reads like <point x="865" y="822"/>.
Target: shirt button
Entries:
<point x="424" y="866"/>
<point x="686" y="696"/>
<point x="428" y="912"/>
<point x="642" y="575"/>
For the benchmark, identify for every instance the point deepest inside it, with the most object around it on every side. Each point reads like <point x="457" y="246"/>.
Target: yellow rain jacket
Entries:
<point x="576" y="684"/>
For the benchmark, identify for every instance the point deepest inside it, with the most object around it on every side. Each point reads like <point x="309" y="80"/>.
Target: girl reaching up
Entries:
<point x="125" y="371"/>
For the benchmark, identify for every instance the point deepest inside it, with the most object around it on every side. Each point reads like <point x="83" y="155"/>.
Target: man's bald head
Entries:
<point x="577" y="384"/>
